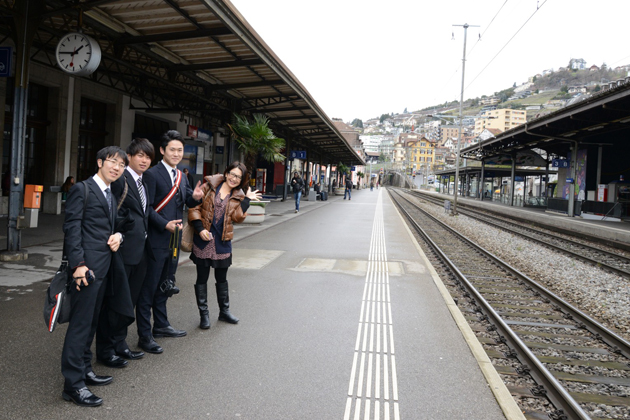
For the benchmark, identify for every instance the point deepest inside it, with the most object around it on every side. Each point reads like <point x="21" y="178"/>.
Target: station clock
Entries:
<point x="78" y="54"/>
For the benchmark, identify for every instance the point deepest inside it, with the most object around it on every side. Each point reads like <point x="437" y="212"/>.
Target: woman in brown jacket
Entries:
<point x="224" y="203"/>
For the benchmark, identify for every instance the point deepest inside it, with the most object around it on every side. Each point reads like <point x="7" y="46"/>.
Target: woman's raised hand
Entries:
<point x="253" y="195"/>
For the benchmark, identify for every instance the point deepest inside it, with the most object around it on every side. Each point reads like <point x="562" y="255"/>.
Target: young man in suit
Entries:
<point x="167" y="201"/>
<point x="90" y="239"/>
<point x="135" y="251"/>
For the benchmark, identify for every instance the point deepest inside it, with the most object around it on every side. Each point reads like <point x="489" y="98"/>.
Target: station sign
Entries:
<point x="353" y="168"/>
<point x="6" y="53"/>
<point x="192" y="131"/>
<point x="204" y="134"/>
<point x="570" y="181"/>
<point x="298" y="154"/>
<point x="560" y="163"/>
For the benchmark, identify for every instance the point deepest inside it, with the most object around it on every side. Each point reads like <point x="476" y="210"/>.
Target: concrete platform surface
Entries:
<point x="341" y="318"/>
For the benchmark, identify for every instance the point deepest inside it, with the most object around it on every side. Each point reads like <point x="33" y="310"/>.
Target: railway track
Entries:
<point x="613" y="262"/>
<point x="558" y="362"/>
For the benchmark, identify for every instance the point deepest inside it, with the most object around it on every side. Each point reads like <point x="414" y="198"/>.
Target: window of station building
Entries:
<point x="92" y="135"/>
<point x="151" y="129"/>
<point x="35" y="133"/>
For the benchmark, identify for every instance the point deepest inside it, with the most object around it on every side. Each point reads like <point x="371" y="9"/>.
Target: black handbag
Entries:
<point x="57" y="303"/>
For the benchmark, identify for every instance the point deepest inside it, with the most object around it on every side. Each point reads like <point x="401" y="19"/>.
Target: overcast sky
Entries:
<point x="360" y="59"/>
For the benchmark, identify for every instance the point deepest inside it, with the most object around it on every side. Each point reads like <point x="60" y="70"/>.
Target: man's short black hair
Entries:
<point x="112" y="152"/>
<point x="169" y="136"/>
<point x="141" y="145"/>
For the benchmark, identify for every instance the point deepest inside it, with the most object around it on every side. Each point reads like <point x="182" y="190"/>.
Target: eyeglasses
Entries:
<point x="233" y="175"/>
<point x="121" y="165"/>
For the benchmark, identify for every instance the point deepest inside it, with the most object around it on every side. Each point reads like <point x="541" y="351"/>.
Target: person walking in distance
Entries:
<point x="89" y="242"/>
<point x="348" y="189"/>
<point x="224" y="203"/>
<point x="169" y="190"/>
<point x="297" y="184"/>
<point x="135" y="251"/>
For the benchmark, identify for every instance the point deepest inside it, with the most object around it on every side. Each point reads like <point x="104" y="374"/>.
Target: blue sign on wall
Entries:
<point x="298" y="154"/>
<point x="219" y="150"/>
<point x="353" y="168"/>
<point x="6" y="53"/>
<point x="560" y="163"/>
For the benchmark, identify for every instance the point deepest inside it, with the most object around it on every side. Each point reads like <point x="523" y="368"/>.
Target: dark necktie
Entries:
<point x="108" y="195"/>
<point x="143" y="200"/>
<point x="174" y="175"/>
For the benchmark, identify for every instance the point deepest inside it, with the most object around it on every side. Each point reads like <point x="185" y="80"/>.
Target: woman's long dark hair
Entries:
<point x="244" y="185"/>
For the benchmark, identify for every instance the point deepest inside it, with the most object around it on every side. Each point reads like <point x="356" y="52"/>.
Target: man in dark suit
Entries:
<point x="135" y="251"/>
<point x="90" y="240"/>
<point x="167" y="201"/>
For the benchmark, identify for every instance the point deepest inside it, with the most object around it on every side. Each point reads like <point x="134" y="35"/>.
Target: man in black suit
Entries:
<point x="135" y="251"/>
<point x="167" y="201"/>
<point x="90" y="240"/>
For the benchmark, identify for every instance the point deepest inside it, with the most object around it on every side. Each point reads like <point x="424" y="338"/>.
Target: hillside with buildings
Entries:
<point x="426" y="140"/>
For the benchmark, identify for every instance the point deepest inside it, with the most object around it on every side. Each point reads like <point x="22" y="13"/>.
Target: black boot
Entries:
<point x="223" y="297"/>
<point x="201" y="292"/>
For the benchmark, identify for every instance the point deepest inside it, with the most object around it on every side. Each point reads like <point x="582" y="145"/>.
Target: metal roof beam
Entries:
<point x="246" y="85"/>
<point x="173" y="36"/>
<point x="215" y="66"/>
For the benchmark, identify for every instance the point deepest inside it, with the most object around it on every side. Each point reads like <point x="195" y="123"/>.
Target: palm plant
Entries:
<point x="254" y="137"/>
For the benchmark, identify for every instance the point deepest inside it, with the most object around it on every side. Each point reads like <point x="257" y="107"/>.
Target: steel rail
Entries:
<point x="605" y="266"/>
<point x="556" y="393"/>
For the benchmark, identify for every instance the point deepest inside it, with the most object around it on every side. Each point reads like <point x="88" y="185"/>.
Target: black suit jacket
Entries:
<point x="135" y="242"/>
<point x="158" y="183"/>
<point x="87" y="233"/>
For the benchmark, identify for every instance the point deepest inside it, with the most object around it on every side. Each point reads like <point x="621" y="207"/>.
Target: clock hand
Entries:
<point x="79" y="49"/>
<point x="72" y="61"/>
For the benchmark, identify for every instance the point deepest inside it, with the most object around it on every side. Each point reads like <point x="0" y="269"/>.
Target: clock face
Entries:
<point x="78" y="54"/>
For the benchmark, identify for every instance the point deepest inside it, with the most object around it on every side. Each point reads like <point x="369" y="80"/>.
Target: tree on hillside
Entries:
<point x="405" y="111"/>
<point x="357" y="123"/>
<point x="383" y="118"/>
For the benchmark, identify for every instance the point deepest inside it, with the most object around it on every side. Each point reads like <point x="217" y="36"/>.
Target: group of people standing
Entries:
<point x="121" y="245"/>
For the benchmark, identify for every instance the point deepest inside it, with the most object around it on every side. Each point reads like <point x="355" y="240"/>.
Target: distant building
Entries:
<point x="501" y="119"/>
<point x="577" y="64"/>
<point x="420" y="154"/>
<point x="489" y="101"/>
<point x="593" y="68"/>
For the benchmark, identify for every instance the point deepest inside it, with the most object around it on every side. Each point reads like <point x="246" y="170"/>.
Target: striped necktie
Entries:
<point x="143" y="200"/>
<point x="108" y="195"/>
<point x="174" y="175"/>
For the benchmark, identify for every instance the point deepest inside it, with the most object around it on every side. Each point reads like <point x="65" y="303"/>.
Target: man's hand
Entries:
<point x="79" y="277"/>
<point x="170" y="226"/>
<point x="114" y="242"/>
<point x="198" y="192"/>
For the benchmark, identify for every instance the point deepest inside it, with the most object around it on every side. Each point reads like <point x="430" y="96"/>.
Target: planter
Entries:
<point x="339" y="191"/>
<point x="256" y="212"/>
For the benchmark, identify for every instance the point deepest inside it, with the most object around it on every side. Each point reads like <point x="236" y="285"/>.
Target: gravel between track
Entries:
<point x="605" y="296"/>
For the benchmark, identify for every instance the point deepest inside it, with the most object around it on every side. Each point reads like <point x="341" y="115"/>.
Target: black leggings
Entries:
<point x="203" y="273"/>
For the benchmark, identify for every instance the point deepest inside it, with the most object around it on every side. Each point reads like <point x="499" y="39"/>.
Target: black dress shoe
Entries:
<point x="149" y="345"/>
<point x="114" y="362"/>
<point x="82" y="397"/>
<point x="97" y="380"/>
<point x="168" y="332"/>
<point x="130" y="355"/>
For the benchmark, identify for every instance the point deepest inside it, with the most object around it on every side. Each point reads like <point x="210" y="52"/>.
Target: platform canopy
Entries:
<point x="194" y="57"/>
<point x="600" y="120"/>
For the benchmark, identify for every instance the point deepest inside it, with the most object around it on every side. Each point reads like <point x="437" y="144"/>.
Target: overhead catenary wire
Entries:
<point x="538" y="7"/>
<point x="473" y="47"/>
<point x="487" y="27"/>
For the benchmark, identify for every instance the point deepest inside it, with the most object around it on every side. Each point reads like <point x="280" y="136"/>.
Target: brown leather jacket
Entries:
<point x="205" y="211"/>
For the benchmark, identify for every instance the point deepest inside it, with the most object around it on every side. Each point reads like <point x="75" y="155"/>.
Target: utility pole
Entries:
<point x="461" y="119"/>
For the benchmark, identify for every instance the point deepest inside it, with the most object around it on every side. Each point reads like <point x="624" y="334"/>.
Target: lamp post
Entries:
<point x="461" y="119"/>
